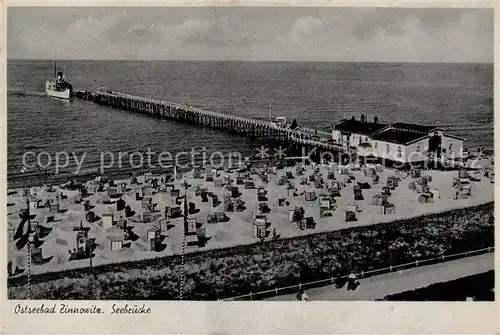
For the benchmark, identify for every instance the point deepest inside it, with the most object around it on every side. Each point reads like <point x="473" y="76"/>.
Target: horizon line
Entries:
<point x="244" y="61"/>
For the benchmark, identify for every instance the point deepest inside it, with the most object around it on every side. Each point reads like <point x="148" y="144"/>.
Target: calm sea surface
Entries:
<point x="456" y="96"/>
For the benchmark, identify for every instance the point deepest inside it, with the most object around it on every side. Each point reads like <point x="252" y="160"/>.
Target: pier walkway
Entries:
<point x="261" y="129"/>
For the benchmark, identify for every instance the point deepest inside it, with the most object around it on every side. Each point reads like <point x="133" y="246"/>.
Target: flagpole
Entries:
<point x="89" y="250"/>
<point x="142" y="164"/>
<point x="183" y="265"/>
<point x="30" y="237"/>
<point x="29" y="270"/>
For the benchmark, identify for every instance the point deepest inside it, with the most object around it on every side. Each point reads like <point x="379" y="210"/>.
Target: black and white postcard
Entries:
<point x="280" y="158"/>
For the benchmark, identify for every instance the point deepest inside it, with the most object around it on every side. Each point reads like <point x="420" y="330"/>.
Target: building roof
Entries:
<point x="358" y="127"/>
<point x="413" y="127"/>
<point x="398" y="136"/>
<point x="399" y="132"/>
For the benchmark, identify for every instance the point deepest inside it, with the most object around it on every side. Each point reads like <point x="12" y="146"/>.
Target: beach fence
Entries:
<point x="363" y="274"/>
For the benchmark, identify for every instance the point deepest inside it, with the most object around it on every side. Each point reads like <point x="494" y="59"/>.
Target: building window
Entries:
<point x="418" y="149"/>
<point x="450" y="147"/>
<point x="399" y="151"/>
<point x="387" y="148"/>
<point x="375" y="145"/>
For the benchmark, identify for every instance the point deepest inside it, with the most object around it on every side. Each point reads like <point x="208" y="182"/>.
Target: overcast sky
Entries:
<point x="280" y="34"/>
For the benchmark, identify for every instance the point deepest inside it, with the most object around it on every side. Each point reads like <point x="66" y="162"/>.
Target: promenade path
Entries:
<point x="378" y="287"/>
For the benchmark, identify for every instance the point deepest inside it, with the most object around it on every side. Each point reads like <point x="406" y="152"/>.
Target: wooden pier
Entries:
<point x="256" y="129"/>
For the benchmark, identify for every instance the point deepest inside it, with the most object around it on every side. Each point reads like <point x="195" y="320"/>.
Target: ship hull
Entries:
<point x="52" y="92"/>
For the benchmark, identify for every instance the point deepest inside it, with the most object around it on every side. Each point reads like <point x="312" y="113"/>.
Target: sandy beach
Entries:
<point x="59" y="236"/>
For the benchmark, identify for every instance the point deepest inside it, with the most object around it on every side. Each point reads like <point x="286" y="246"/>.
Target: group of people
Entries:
<point x="352" y="283"/>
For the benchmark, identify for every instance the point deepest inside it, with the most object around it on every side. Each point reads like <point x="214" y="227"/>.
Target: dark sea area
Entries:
<point x="458" y="97"/>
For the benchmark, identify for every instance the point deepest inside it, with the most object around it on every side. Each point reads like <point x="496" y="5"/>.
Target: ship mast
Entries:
<point x="55" y="69"/>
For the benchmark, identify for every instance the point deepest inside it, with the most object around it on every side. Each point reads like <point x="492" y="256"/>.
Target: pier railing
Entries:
<point x="363" y="274"/>
<point x="238" y="124"/>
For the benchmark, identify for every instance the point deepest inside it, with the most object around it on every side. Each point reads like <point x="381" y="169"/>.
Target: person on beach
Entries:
<point x="299" y="295"/>
<point x="351" y="283"/>
<point x="302" y="295"/>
